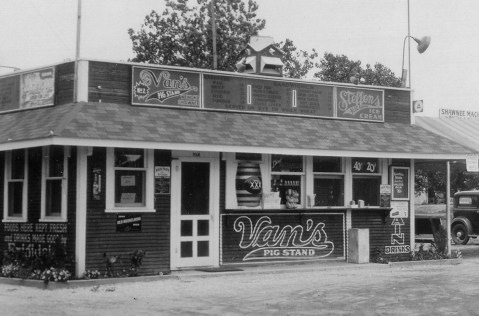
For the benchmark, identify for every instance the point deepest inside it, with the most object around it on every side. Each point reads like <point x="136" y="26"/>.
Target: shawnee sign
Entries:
<point x="270" y="237"/>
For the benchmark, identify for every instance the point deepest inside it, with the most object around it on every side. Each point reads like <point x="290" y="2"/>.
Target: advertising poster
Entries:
<point x="37" y="88"/>
<point x="400" y="183"/>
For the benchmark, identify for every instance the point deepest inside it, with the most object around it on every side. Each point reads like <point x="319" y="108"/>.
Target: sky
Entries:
<point x="37" y="33"/>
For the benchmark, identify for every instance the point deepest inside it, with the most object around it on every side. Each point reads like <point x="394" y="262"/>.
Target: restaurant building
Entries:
<point x="204" y="168"/>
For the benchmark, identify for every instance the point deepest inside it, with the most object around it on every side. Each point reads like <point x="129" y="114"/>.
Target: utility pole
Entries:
<point x="77" y="53"/>
<point x="213" y="27"/>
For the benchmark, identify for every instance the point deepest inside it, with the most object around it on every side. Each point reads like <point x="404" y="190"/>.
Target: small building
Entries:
<point x="205" y="168"/>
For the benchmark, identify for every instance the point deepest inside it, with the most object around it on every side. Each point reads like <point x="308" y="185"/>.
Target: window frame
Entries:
<point x="301" y="174"/>
<point x="64" y="181"/>
<point x="148" y="168"/>
<point x="7" y="180"/>
<point x="341" y="175"/>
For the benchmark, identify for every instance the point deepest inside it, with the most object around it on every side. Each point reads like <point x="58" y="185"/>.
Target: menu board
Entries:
<point x="271" y="96"/>
<point x="400" y="183"/>
<point x="163" y="87"/>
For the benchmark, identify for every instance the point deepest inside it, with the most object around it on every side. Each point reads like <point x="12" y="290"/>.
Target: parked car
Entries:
<point x="465" y="224"/>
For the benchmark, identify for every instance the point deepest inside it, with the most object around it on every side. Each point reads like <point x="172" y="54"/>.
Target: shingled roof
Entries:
<point x="123" y="125"/>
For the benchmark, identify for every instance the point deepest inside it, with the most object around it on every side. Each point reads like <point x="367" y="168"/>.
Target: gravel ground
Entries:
<point x="310" y="289"/>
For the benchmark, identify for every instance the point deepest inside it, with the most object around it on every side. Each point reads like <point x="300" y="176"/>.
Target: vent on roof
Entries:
<point x="262" y="57"/>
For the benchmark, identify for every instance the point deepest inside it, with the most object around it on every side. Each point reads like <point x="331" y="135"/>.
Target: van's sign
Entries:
<point x="264" y="240"/>
<point x="360" y="104"/>
<point x="153" y="86"/>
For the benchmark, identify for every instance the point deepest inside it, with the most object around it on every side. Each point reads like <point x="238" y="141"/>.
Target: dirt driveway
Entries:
<point x="312" y="289"/>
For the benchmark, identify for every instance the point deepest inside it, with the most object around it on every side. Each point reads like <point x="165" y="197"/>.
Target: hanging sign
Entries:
<point x="472" y="163"/>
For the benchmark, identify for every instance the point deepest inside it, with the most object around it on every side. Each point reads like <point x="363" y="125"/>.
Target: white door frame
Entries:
<point x="175" y="262"/>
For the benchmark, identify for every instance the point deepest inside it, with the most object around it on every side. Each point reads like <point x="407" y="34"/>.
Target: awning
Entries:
<point x="123" y="125"/>
<point x="462" y="131"/>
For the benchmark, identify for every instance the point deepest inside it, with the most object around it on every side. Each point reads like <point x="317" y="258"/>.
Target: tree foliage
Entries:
<point x="182" y="34"/>
<point x="339" y="68"/>
<point x="297" y="63"/>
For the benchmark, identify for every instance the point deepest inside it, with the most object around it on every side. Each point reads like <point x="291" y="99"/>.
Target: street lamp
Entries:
<point x="422" y="45"/>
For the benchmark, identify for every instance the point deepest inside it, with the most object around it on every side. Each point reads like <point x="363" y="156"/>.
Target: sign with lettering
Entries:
<point x="128" y="223"/>
<point x="400" y="183"/>
<point x="37" y="88"/>
<point x="463" y="114"/>
<point x="282" y="237"/>
<point x="267" y="96"/>
<point x="365" y="165"/>
<point x="34" y="238"/>
<point x="360" y="104"/>
<point x="162" y="87"/>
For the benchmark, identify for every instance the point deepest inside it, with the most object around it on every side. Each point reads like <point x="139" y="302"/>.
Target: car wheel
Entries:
<point x="460" y="235"/>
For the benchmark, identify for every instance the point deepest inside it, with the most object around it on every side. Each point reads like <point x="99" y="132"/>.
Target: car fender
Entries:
<point x="462" y="220"/>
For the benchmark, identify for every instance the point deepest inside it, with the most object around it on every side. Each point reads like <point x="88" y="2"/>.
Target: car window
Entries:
<point x="467" y="201"/>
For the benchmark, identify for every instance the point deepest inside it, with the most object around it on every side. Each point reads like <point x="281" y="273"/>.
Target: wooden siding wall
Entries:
<point x="35" y="157"/>
<point x="102" y="237"/>
<point x="64" y="81"/>
<point x="397" y="107"/>
<point x="109" y="83"/>
<point x="380" y="230"/>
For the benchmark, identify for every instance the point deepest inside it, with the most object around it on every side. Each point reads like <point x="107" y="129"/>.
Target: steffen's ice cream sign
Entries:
<point x="360" y="104"/>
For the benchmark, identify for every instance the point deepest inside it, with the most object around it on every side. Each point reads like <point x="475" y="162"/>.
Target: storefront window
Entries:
<point x="287" y="177"/>
<point x="366" y="181"/>
<point x="328" y="181"/>
<point x="15" y="185"/>
<point x="54" y="189"/>
<point x="130" y="175"/>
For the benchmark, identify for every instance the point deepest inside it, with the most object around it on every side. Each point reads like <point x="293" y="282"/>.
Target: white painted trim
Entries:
<point x="81" y="210"/>
<point x="223" y="148"/>
<point x="149" y="185"/>
<point x="176" y="202"/>
<point x="7" y="178"/>
<point x="64" y="194"/>
<point x="82" y="81"/>
<point x="412" y="210"/>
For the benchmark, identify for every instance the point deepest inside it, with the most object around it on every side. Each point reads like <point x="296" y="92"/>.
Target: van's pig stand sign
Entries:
<point x="34" y="238"/>
<point x="282" y="237"/>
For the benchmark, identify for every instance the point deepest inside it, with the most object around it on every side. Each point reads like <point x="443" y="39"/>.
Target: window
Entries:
<point x="366" y="181"/>
<point x="54" y="183"/>
<point x="130" y="174"/>
<point x="287" y="176"/>
<point x="328" y="181"/>
<point x="15" y="188"/>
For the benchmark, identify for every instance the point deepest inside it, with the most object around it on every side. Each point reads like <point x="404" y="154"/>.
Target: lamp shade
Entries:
<point x="423" y="43"/>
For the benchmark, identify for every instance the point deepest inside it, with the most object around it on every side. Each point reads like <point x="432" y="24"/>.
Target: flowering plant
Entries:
<point x="55" y="275"/>
<point x="9" y="270"/>
<point x="91" y="274"/>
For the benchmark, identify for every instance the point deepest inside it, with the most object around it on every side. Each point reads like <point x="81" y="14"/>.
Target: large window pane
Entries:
<point x="195" y="188"/>
<point x="18" y="164"/>
<point x="327" y="164"/>
<point x="284" y="163"/>
<point x="129" y="158"/>
<point x="129" y="188"/>
<point x="55" y="159"/>
<point x="283" y="183"/>
<point x="329" y="191"/>
<point x="53" y="198"/>
<point x="367" y="189"/>
<point x="15" y="199"/>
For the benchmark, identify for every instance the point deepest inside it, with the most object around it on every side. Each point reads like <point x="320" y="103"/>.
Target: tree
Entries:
<point x="297" y="64"/>
<point x="339" y="68"/>
<point x="182" y="34"/>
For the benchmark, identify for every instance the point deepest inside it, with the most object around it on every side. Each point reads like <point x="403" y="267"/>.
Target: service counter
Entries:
<point x="273" y="235"/>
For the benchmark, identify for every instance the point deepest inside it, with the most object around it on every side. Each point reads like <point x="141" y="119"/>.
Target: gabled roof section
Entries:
<point x="122" y="125"/>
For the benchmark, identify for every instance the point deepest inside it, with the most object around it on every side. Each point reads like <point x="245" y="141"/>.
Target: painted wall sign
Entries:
<point x="128" y="223"/>
<point x="400" y="183"/>
<point x="34" y="238"/>
<point x="280" y="237"/>
<point x="365" y="165"/>
<point x="37" y="88"/>
<point x="360" y="104"/>
<point x="161" y="87"/>
<point x="269" y="96"/>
